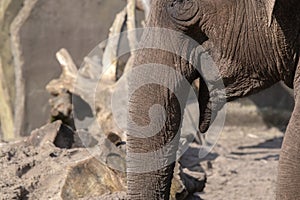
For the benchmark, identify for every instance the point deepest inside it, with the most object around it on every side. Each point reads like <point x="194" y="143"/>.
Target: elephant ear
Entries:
<point x="270" y="4"/>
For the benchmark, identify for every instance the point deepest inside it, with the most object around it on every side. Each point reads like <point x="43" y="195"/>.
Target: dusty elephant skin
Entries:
<point x="254" y="44"/>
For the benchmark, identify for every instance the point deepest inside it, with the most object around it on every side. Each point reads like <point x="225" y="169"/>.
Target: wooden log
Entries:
<point x="6" y="115"/>
<point x="131" y="23"/>
<point x="110" y="56"/>
<point x="15" y="27"/>
<point x="83" y="82"/>
<point x="143" y="5"/>
<point x="9" y="9"/>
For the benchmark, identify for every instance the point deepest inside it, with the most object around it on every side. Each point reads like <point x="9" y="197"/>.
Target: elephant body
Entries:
<point x="254" y="43"/>
<point x="251" y="54"/>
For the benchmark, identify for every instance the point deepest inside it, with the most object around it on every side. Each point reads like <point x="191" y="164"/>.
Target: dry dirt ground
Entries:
<point x="243" y="164"/>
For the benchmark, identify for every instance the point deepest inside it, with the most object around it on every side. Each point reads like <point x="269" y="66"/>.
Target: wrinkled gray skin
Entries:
<point x="254" y="43"/>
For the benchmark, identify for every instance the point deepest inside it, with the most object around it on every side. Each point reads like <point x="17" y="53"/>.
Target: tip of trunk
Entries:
<point x="204" y="106"/>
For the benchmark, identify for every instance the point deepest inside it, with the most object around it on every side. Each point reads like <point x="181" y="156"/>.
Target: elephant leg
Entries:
<point x="288" y="187"/>
<point x="289" y="163"/>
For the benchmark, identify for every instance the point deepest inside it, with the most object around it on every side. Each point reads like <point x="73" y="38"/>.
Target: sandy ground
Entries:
<point x="243" y="164"/>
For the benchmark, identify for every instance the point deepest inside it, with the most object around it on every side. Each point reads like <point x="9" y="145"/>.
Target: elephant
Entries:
<point x="254" y="43"/>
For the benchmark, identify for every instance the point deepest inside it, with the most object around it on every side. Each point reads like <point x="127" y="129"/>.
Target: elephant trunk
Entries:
<point x="158" y="87"/>
<point x="151" y="152"/>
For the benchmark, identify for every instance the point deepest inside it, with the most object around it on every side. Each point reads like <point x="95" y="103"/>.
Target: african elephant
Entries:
<point x="254" y="43"/>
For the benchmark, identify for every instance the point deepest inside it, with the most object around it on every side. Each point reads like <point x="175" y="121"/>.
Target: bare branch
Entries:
<point x="110" y="54"/>
<point x="131" y="23"/>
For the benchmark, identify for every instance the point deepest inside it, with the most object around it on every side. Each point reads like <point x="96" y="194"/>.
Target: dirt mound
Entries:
<point x="56" y="162"/>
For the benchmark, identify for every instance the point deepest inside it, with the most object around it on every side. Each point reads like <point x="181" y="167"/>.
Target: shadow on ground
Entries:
<point x="274" y="143"/>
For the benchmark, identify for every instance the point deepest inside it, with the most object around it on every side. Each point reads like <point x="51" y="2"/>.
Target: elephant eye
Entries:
<point x="183" y="10"/>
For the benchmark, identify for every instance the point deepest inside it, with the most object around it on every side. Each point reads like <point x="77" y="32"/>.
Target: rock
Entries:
<point x="45" y="134"/>
<point x="178" y="190"/>
<point x="75" y="175"/>
<point x="57" y="133"/>
<point x="110" y="196"/>
<point x="191" y="172"/>
<point x="189" y="177"/>
<point x="91" y="178"/>
<point x="44" y="171"/>
<point x="194" y="181"/>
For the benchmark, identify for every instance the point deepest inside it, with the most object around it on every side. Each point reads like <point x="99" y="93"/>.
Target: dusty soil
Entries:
<point x="243" y="164"/>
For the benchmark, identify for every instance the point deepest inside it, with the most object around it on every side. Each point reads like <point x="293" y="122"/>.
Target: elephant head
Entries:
<point x="254" y="44"/>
